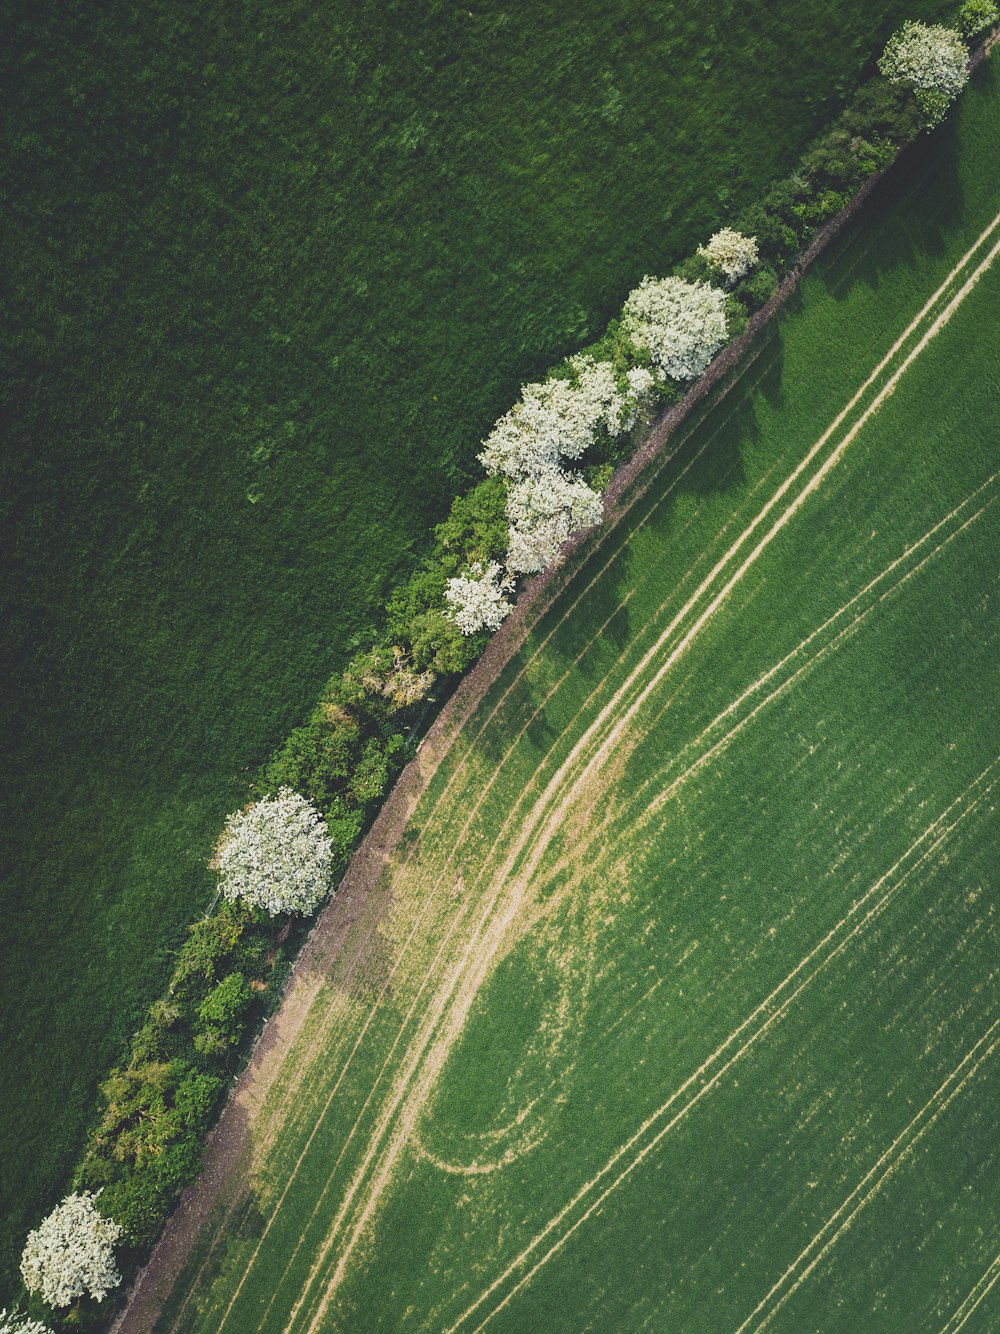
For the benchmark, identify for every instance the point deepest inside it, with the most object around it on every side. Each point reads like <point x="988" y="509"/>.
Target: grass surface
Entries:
<point x="271" y="275"/>
<point x="679" y="1009"/>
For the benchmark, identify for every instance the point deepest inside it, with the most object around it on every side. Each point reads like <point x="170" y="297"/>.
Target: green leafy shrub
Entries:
<point x="757" y="288"/>
<point x="977" y="16"/>
<point x="317" y="760"/>
<point x="222" y="1010"/>
<point x="476" y="527"/>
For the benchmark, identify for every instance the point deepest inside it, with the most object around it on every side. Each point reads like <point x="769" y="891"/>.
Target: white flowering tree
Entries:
<point x="71" y="1253"/>
<point x="276" y="855"/>
<point x="544" y="511"/>
<point x="682" y="324"/>
<point x="731" y="253"/>
<point x="13" y="1322"/>
<point x="476" y="601"/>
<point x="558" y="419"/>
<point x="931" y="59"/>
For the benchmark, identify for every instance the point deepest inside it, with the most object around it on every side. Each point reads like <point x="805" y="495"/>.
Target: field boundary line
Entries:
<point x="938" y="832"/>
<point x="979" y="1292"/>
<point x="890" y="1160"/>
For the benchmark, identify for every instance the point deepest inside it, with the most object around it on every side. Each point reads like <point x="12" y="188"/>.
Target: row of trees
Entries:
<point x="547" y="461"/>
<point x="671" y="328"/>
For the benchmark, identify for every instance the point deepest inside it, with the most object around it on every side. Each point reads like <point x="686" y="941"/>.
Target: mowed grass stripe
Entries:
<point x="706" y="751"/>
<point x="755" y="1026"/>
<point x="975" y="1299"/>
<point x="904" y="1143"/>
<point x="411" y="1089"/>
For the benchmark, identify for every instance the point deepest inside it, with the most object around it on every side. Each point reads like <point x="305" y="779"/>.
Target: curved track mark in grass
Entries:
<point x="454" y="844"/>
<point x="973" y="1299"/>
<point x="747" y="1035"/>
<point x="651" y="808"/>
<point x="873" y="1180"/>
<point x="459" y="771"/>
<point x="455" y="999"/>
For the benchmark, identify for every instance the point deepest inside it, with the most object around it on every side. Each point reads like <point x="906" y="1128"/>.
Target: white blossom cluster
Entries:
<point x="558" y="419"/>
<point x="476" y="600"/>
<point x="14" y="1323"/>
<point x="545" y="510"/>
<point x="732" y="253"/>
<point x="276" y="855"/>
<point x="682" y="324"/>
<point x="928" y="57"/>
<point x="71" y="1253"/>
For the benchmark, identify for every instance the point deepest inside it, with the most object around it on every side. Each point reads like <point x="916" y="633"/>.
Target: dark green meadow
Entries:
<point x="679" y="1008"/>
<point x="270" y="273"/>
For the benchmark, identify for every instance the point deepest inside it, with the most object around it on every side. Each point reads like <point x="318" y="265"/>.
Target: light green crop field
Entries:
<point x="679" y="1008"/>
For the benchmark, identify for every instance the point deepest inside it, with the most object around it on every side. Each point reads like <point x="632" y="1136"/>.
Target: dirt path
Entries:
<point x="227" y="1156"/>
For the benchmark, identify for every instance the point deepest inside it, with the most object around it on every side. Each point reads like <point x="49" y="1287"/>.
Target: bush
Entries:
<point x="317" y="760"/>
<point x="476" y="599"/>
<point x="757" y="288"/>
<point x="884" y="112"/>
<point x="730" y="253"/>
<point x="13" y="1322"/>
<point x="379" y="762"/>
<point x="209" y="941"/>
<point x="71" y="1253"/>
<point x="222" y="1010"/>
<point x="976" y="16"/>
<point x="681" y="324"/>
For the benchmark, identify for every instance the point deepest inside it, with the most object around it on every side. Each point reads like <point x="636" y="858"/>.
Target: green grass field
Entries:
<point x="270" y="277"/>
<point x="679" y="1008"/>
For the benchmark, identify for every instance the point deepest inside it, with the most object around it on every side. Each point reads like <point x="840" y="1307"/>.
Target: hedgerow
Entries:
<point x="547" y="460"/>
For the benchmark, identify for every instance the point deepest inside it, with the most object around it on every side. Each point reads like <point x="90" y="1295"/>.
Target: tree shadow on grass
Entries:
<point x="926" y="181"/>
<point x="594" y="623"/>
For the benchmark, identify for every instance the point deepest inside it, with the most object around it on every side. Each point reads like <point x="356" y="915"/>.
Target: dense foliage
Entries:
<point x="931" y="60"/>
<point x="977" y="16"/>
<point x="12" y="1322"/>
<point x="476" y="600"/>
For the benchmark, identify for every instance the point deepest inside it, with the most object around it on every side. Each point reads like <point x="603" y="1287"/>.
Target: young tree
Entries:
<point x="476" y="601"/>
<point x="931" y="60"/>
<point x="731" y="253"/>
<point x="682" y="324"/>
<point x="276" y="855"/>
<point x="71" y="1253"/>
